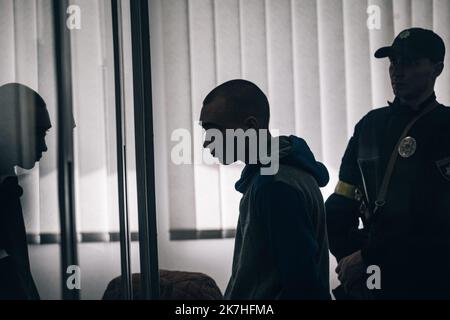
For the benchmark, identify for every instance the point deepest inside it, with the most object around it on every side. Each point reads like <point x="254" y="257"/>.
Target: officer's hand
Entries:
<point x="351" y="269"/>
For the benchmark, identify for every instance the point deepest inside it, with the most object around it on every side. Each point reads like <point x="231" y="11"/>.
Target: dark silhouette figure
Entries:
<point x="281" y="245"/>
<point x="24" y="121"/>
<point x="395" y="176"/>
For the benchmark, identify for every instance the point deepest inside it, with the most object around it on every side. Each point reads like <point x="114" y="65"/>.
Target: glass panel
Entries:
<point x="96" y="148"/>
<point x="29" y="205"/>
<point x="29" y="208"/>
<point x="96" y="171"/>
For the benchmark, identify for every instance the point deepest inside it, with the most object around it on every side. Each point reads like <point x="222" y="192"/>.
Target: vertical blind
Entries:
<point x="313" y="59"/>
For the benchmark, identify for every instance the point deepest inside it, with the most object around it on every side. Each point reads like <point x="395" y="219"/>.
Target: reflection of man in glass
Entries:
<point x="24" y="121"/>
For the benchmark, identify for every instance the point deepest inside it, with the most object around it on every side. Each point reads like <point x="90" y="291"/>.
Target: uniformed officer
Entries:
<point x="395" y="176"/>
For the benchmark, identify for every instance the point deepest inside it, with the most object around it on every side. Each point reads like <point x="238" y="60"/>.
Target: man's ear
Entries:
<point x="438" y="68"/>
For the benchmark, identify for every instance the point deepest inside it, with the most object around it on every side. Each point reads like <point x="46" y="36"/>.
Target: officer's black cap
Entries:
<point x="415" y="43"/>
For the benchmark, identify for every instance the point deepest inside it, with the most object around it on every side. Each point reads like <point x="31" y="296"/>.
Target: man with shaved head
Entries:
<point x="281" y="246"/>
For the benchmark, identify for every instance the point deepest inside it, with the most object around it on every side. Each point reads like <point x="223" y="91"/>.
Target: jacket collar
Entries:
<point x="398" y="107"/>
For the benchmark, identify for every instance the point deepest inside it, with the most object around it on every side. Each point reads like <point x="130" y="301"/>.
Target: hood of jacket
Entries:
<point x="293" y="151"/>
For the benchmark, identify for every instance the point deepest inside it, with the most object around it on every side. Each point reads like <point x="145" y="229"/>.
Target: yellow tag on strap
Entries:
<point x="347" y="190"/>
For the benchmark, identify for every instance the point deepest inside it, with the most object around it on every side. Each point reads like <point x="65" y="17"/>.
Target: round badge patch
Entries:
<point x="407" y="147"/>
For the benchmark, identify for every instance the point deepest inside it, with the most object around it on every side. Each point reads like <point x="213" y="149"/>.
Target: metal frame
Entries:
<point x="126" y="283"/>
<point x="145" y="171"/>
<point x="66" y="192"/>
<point x="140" y="28"/>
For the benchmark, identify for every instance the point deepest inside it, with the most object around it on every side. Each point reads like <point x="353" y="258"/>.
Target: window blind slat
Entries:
<point x="227" y="40"/>
<point x="90" y="132"/>
<point x="441" y="24"/>
<point x="306" y="69"/>
<point x="26" y="67"/>
<point x="381" y="86"/>
<point x="108" y="95"/>
<point x="203" y="79"/>
<point x="254" y="42"/>
<point x="422" y="13"/>
<point x="402" y="15"/>
<point x="48" y="180"/>
<point x="179" y="109"/>
<point x="357" y="62"/>
<point x="129" y="118"/>
<point x="229" y="66"/>
<point x="332" y="81"/>
<point x="280" y="65"/>
<point x="7" y="54"/>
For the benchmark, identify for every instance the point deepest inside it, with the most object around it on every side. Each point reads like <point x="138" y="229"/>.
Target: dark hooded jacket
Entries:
<point x="281" y="246"/>
<point x="16" y="281"/>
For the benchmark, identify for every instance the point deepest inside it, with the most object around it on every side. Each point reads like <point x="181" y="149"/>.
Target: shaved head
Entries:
<point x="24" y="121"/>
<point x="236" y="106"/>
<point x="240" y="99"/>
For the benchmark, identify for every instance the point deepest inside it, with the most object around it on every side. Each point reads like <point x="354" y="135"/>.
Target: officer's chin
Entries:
<point x="401" y="92"/>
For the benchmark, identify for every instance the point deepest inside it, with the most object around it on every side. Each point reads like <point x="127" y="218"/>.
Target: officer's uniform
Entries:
<point x="408" y="237"/>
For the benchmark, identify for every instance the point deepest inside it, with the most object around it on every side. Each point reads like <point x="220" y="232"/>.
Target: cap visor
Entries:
<point x="384" y="52"/>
